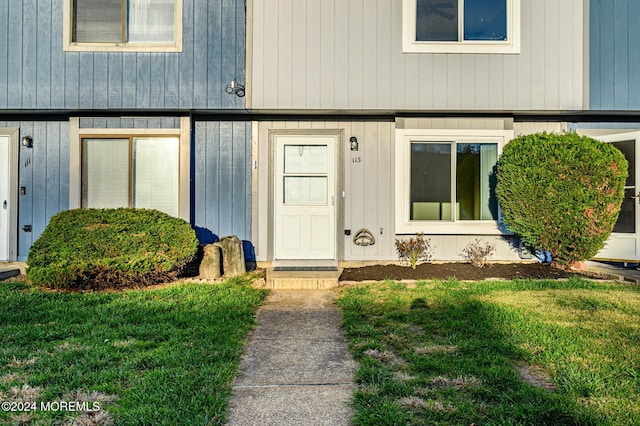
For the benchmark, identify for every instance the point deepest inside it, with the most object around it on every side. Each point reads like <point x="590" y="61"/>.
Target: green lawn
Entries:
<point x="495" y="353"/>
<point x="156" y="356"/>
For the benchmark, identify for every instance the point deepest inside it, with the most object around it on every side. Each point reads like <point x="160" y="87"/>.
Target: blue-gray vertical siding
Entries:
<point x="130" y="123"/>
<point x="44" y="173"/>
<point x="222" y="181"/>
<point x="614" y="57"/>
<point x="606" y="125"/>
<point x="35" y="72"/>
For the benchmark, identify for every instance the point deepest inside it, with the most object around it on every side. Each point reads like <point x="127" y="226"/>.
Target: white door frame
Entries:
<point x="277" y="139"/>
<point x="9" y="239"/>
<point x="624" y="247"/>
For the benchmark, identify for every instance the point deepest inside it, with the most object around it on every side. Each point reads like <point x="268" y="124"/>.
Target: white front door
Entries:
<point x="624" y="243"/>
<point x="305" y="197"/>
<point x="5" y="176"/>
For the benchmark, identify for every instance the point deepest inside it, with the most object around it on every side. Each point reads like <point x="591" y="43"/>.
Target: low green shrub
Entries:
<point x="561" y="192"/>
<point x="110" y="248"/>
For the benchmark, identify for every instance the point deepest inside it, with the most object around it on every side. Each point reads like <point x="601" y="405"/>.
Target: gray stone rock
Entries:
<point x="210" y="266"/>
<point x="232" y="256"/>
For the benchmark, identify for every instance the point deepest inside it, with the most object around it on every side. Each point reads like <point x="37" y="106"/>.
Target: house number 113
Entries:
<point x="356" y="160"/>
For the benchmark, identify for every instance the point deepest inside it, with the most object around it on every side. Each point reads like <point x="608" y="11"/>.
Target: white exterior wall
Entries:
<point x="529" y="127"/>
<point x="330" y="55"/>
<point x="368" y="184"/>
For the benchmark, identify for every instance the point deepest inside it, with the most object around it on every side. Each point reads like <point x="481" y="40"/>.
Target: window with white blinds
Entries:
<point x="141" y="172"/>
<point x="121" y="25"/>
<point x="105" y="173"/>
<point x="155" y="174"/>
<point x="150" y="21"/>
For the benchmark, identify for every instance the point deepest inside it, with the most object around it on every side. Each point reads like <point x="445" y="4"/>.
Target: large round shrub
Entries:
<point x="561" y="192"/>
<point x="110" y="248"/>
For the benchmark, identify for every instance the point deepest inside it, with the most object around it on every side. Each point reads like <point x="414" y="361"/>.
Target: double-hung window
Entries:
<point x="445" y="180"/>
<point x="461" y="26"/>
<point x="141" y="172"/>
<point x="134" y="25"/>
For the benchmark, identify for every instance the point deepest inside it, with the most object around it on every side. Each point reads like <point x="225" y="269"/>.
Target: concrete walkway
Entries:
<point x="296" y="369"/>
<point x="626" y="274"/>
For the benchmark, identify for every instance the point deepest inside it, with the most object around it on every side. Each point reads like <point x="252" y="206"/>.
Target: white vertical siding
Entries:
<point x="368" y="186"/>
<point x="336" y="54"/>
<point x="526" y="128"/>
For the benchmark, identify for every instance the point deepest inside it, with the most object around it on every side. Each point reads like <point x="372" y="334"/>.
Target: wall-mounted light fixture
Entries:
<point x="27" y="141"/>
<point x="235" y="88"/>
<point x="354" y="143"/>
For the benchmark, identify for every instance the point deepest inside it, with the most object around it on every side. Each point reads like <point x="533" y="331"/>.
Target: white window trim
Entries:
<point x="404" y="137"/>
<point x="76" y="134"/>
<point x="71" y="46"/>
<point x="510" y="46"/>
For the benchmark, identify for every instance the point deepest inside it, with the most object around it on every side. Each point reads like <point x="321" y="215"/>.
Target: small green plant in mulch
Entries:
<point x="414" y="249"/>
<point x="110" y="248"/>
<point x="162" y="356"/>
<point x="524" y="352"/>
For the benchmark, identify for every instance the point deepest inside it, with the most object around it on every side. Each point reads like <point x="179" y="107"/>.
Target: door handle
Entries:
<point x="4" y="204"/>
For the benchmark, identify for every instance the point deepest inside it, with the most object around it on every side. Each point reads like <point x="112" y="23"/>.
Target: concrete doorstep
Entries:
<point x="310" y="280"/>
<point x="296" y="369"/>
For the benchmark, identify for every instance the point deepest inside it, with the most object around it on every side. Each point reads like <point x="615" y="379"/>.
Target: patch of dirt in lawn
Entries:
<point x="535" y="376"/>
<point x="459" y="271"/>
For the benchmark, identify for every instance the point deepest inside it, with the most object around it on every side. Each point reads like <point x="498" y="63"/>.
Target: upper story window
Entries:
<point x="461" y="26"/>
<point x="123" y="25"/>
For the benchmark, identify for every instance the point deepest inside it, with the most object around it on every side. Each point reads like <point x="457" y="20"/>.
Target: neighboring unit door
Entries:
<point x="305" y="197"/>
<point x="624" y="245"/>
<point x="5" y="198"/>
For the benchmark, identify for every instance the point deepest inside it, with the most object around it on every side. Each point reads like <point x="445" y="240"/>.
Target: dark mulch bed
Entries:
<point x="460" y="271"/>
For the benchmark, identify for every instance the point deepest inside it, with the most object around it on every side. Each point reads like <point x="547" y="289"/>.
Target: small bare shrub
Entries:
<point x="478" y="254"/>
<point x="414" y="249"/>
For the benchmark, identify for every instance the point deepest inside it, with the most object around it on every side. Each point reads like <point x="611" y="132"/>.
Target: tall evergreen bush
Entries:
<point x="561" y="192"/>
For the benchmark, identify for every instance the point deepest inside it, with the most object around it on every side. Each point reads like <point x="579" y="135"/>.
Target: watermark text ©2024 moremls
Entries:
<point x="66" y="406"/>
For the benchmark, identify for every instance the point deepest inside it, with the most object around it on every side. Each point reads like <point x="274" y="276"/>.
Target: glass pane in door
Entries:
<point x="305" y="159"/>
<point x="305" y="190"/>
<point x="628" y="148"/>
<point x="626" y="223"/>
